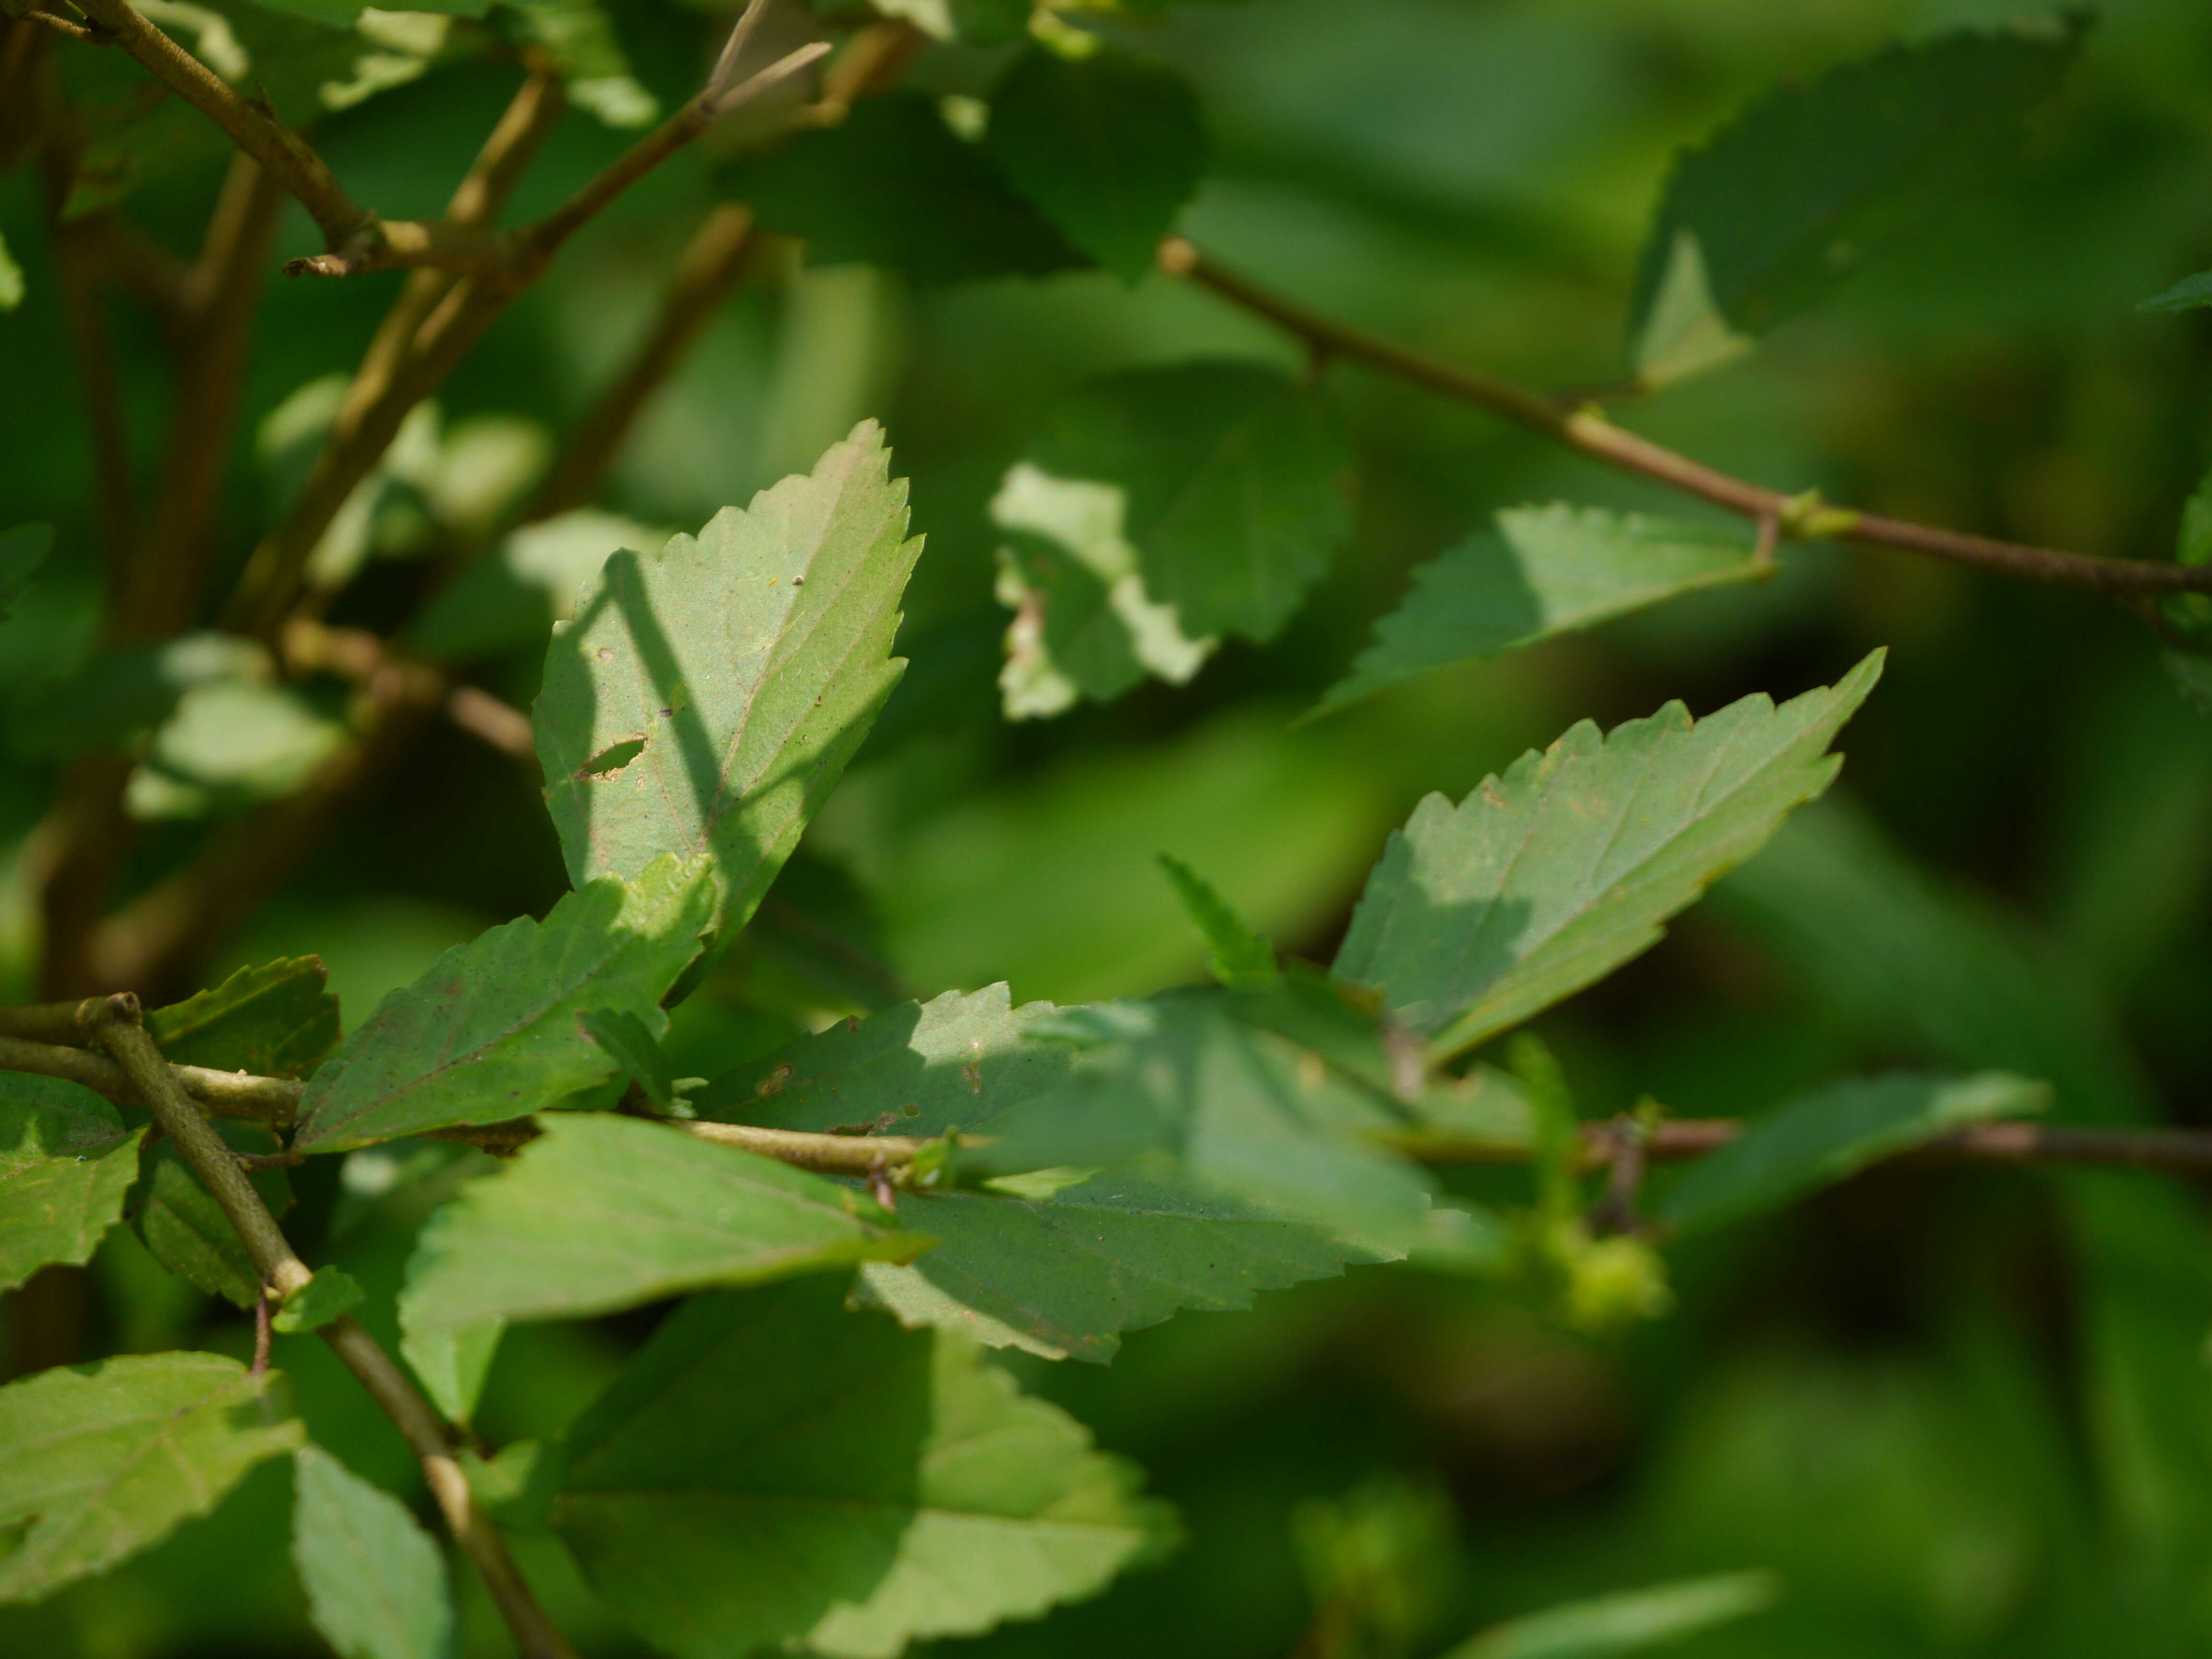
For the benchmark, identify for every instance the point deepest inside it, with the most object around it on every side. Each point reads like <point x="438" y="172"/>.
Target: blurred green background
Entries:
<point x="1959" y="1413"/>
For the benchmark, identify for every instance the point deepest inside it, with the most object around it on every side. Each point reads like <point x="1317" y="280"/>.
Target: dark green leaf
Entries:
<point x="105" y="1460"/>
<point x="991" y="22"/>
<point x="1108" y="145"/>
<point x="187" y="1231"/>
<point x="275" y="1021"/>
<point x="1835" y="1132"/>
<point x="577" y="38"/>
<point x="1235" y="954"/>
<point x="602" y="1212"/>
<point x="893" y="185"/>
<point x="1542" y="571"/>
<point x="376" y="1581"/>
<point x="1780" y="204"/>
<point x="66" y="1163"/>
<point x="332" y="1291"/>
<point x="1544" y="881"/>
<point x="491" y="1032"/>
<point x="631" y="1042"/>
<point x="706" y="698"/>
<point x="22" y="550"/>
<point x="775" y="1471"/>
<point x="129" y="690"/>
<point x="1626" y="1622"/>
<point x="511" y="596"/>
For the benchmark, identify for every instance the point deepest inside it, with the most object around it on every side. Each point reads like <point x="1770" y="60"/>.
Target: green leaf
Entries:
<point x="1061" y="1274"/>
<point x="1542" y="571"/>
<point x="1626" y="1622"/>
<point x="511" y="596"/>
<point x="773" y="1471"/>
<point x="129" y="690"/>
<point x="1109" y="146"/>
<point x="1835" y="1132"/>
<point x="228" y="744"/>
<point x="66" y="1163"/>
<point x="376" y="1581"/>
<point x="276" y="1020"/>
<point x="601" y="1213"/>
<point x="991" y="22"/>
<point x="187" y="1231"/>
<point x="1776" y="208"/>
<point x="23" y="549"/>
<point x="706" y="698"/>
<point x="329" y="1293"/>
<point x="577" y="38"/>
<point x="452" y="1363"/>
<point x="105" y="1460"/>
<point x="11" y="295"/>
<point x="492" y="1031"/>
<point x="2187" y="294"/>
<point x="1545" y="880"/>
<point x="1235" y="954"/>
<point x="1225" y="480"/>
<point x="631" y="1042"/>
<point x="893" y="185"/>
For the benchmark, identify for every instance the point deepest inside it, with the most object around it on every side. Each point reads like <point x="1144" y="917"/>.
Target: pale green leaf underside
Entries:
<point x="1834" y="1131"/>
<point x="491" y="1030"/>
<point x="602" y="1212"/>
<point x="1785" y="201"/>
<point x="773" y="1470"/>
<point x="1542" y="571"/>
<point x="66" y="1163"/>
<point x="1062" y="1276"/>
<point x="1542" y="882"/>
<point x="706" y="697"/>
<point x="103" y="1460"/>
<point x="376" y="1581"/>
<point x="1628" y="1622"/>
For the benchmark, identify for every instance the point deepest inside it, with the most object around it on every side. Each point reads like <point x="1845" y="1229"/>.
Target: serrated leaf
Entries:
<point x="1109" y="146"/>
<point x="1540" y="572"/>
<point x="1780" y="204"/>
<point x="1235" y="954"/>
<point x="491" y="1032"/>
<point x="1835" y="1132"/>
<point x="1545" y="880"/>
<point x="67" y="1162"/>
<point x="773" y="1471"/>
<point x="185" y="1230"/>
<point x="706" y="698"/>
<point x="328" y="1294"/>
<point x="1063" y="1275"/>
<point x="105" y="1460"/>
<point x="893" y="185"/>
<point x="23" y="549"/>
<point x="376" y="1581"/>
<point x="276" y="1020"/>
<point x="1628" y="1621"/>
<point x="601" y="1213"/>
<point x="1225" y="482"/>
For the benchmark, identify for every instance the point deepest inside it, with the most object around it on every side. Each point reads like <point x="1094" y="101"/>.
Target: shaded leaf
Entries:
<point x="1542" y="571"/>
<point x="186" y="1229"/>
<point x="1235" y="954"/>
<point x="105" y="1460"/>
<point x="128" y="690"/>
<point x="491" y="1032"/>
<point x="1626" y="1622"/>
<point x="1777" y="206"/>
<point x="1108" y="145"/>
<point x="1835" y="1132"/>
<point x="66" y="1163"/>
<point x="706" y="698"/>
<point x="601" y="1213"/>
<point x="1547" y="880"/>
<point x="512" y="595"/>
<point x="893" y="184"/>
<point x="632" y="1044"/>
<point x="451" y="1362"/>
<point x="276" y="1020"/>
<point x="2187" y="294"/>
<point x="376" y="1581"/>
<point x="329" y="1293"/>
<point x="23" y="549"/>
<point x="577" y="39"/>
<point x="773" y="1470"/>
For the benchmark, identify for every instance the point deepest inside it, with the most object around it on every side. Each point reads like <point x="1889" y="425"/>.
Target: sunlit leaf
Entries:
<point x="276" y="1020"/>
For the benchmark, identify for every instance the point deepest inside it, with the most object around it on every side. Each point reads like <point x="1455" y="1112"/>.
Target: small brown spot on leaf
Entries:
<point x="774" y="1082"/>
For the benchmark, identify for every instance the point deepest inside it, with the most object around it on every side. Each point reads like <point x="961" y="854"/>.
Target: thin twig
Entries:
<point x="281" y="1274"/>
<point x="1586" y="429"/>
<point x="359" y="656"/>
<point x="271" y="1100"/>
<point x="708" y="269"/>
